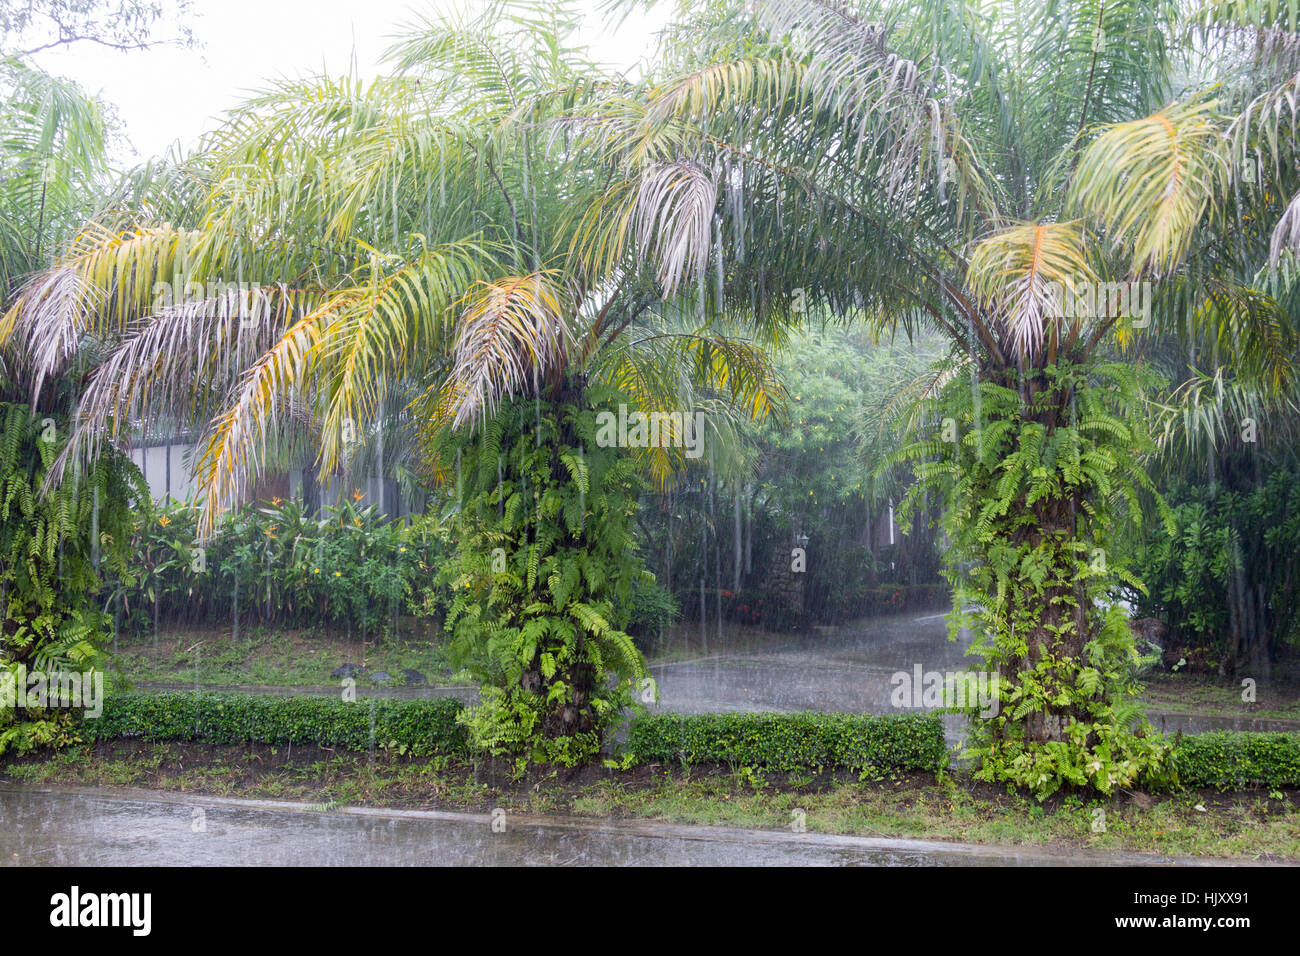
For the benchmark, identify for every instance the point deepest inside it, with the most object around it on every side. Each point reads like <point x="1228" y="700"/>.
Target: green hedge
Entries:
<point x="426" y="726"/>
<point x="779" y="742"/>
<point x="1235" y="760"/>
<point x="785" y="742"/>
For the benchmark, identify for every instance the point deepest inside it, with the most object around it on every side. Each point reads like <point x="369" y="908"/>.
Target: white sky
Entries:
<point x="168" y="94"/>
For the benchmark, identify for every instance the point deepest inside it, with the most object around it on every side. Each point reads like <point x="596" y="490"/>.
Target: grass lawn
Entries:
<point x="271" y="657"/>
<point x="282" y="657"/>
<point x="1208" y="694"/>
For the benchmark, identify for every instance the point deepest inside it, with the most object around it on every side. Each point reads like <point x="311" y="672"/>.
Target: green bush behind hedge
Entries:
<point x="787" y="742"/>
<point x="425" y="726"/>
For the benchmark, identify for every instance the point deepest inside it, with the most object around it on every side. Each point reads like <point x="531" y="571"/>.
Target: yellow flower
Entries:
<point x="315" y="570"/>
<point x="275" y="502"/>
<point x="338" y="574"/>
<point x="164" y="521"/>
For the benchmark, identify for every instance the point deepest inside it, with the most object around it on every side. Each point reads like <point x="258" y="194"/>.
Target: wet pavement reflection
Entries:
<point x="55" y="827"/>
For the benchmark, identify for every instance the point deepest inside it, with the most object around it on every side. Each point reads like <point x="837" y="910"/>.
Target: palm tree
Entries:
<point x="414" y="230"/>
<point x="338" y="252"/>
<point x="53" y="171"/>
<point x="1037" y="183"/>
<point x="53" y="156"/>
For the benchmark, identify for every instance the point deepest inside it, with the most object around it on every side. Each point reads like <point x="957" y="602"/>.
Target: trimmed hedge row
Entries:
<point x="786" y="742"/>
<point x="1227" y="760"/>
<point x="425" y="726"/>
<point x="1236" y="760"/>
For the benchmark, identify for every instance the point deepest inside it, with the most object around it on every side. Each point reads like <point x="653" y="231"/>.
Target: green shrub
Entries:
<point x="422" y="726"/>
<point x="787" y="742"/>
<point x="652" y="609"/>
<point x="1243" y="526"/>
<point x="747" y="606"/>
<point x="272" y="563"/>
<point x="1232" y="760"/>
<point x="776" y="742"/>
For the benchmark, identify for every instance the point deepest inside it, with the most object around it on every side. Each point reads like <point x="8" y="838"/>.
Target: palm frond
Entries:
<point x="1028" y="275"/>
<point x="673" y="221"/>
<point x="1150" y="181"/>
<point x="512" y="332"/>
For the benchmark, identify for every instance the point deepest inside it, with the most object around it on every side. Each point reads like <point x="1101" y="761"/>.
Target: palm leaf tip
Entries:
<point x="1029" y="275"/>
<point x="1149" y="181"/>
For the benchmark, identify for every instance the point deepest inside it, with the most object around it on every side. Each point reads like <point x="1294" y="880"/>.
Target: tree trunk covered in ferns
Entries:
<point x="541" y="580"/>
<point x="1064" y="624"/>
<point x="1037" y="478"/>
<point x="50" y="568"/>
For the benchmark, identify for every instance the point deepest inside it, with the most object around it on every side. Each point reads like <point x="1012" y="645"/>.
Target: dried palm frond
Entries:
<point x="512" y="332"/>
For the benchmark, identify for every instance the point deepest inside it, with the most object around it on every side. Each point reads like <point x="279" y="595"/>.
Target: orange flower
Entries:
<point x="357" y="494"/>
<point x="164" y="521"/>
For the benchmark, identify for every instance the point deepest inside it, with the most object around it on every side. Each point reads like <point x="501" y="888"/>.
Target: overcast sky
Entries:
<point x="168" y="94"/>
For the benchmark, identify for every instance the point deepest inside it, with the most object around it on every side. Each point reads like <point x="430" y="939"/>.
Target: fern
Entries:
<point x="1045" y="474"/>
<point x="555" y="666"/>
<point x="50" y="568"/>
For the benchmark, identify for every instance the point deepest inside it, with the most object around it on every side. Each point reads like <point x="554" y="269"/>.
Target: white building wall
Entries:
<point x="153" y="460"/>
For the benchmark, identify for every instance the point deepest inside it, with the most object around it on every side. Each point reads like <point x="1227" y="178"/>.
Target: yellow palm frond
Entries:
<point x="673" y="372"/>
<point x="176" y="366"/>
<point x="1151" y="180"/>
<point x="236" y="440"/>
<point x="106" y="282"/>
<point x="512" y="332"/>
<point x="345" y="351"/>
<point x="766" y="83"/>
